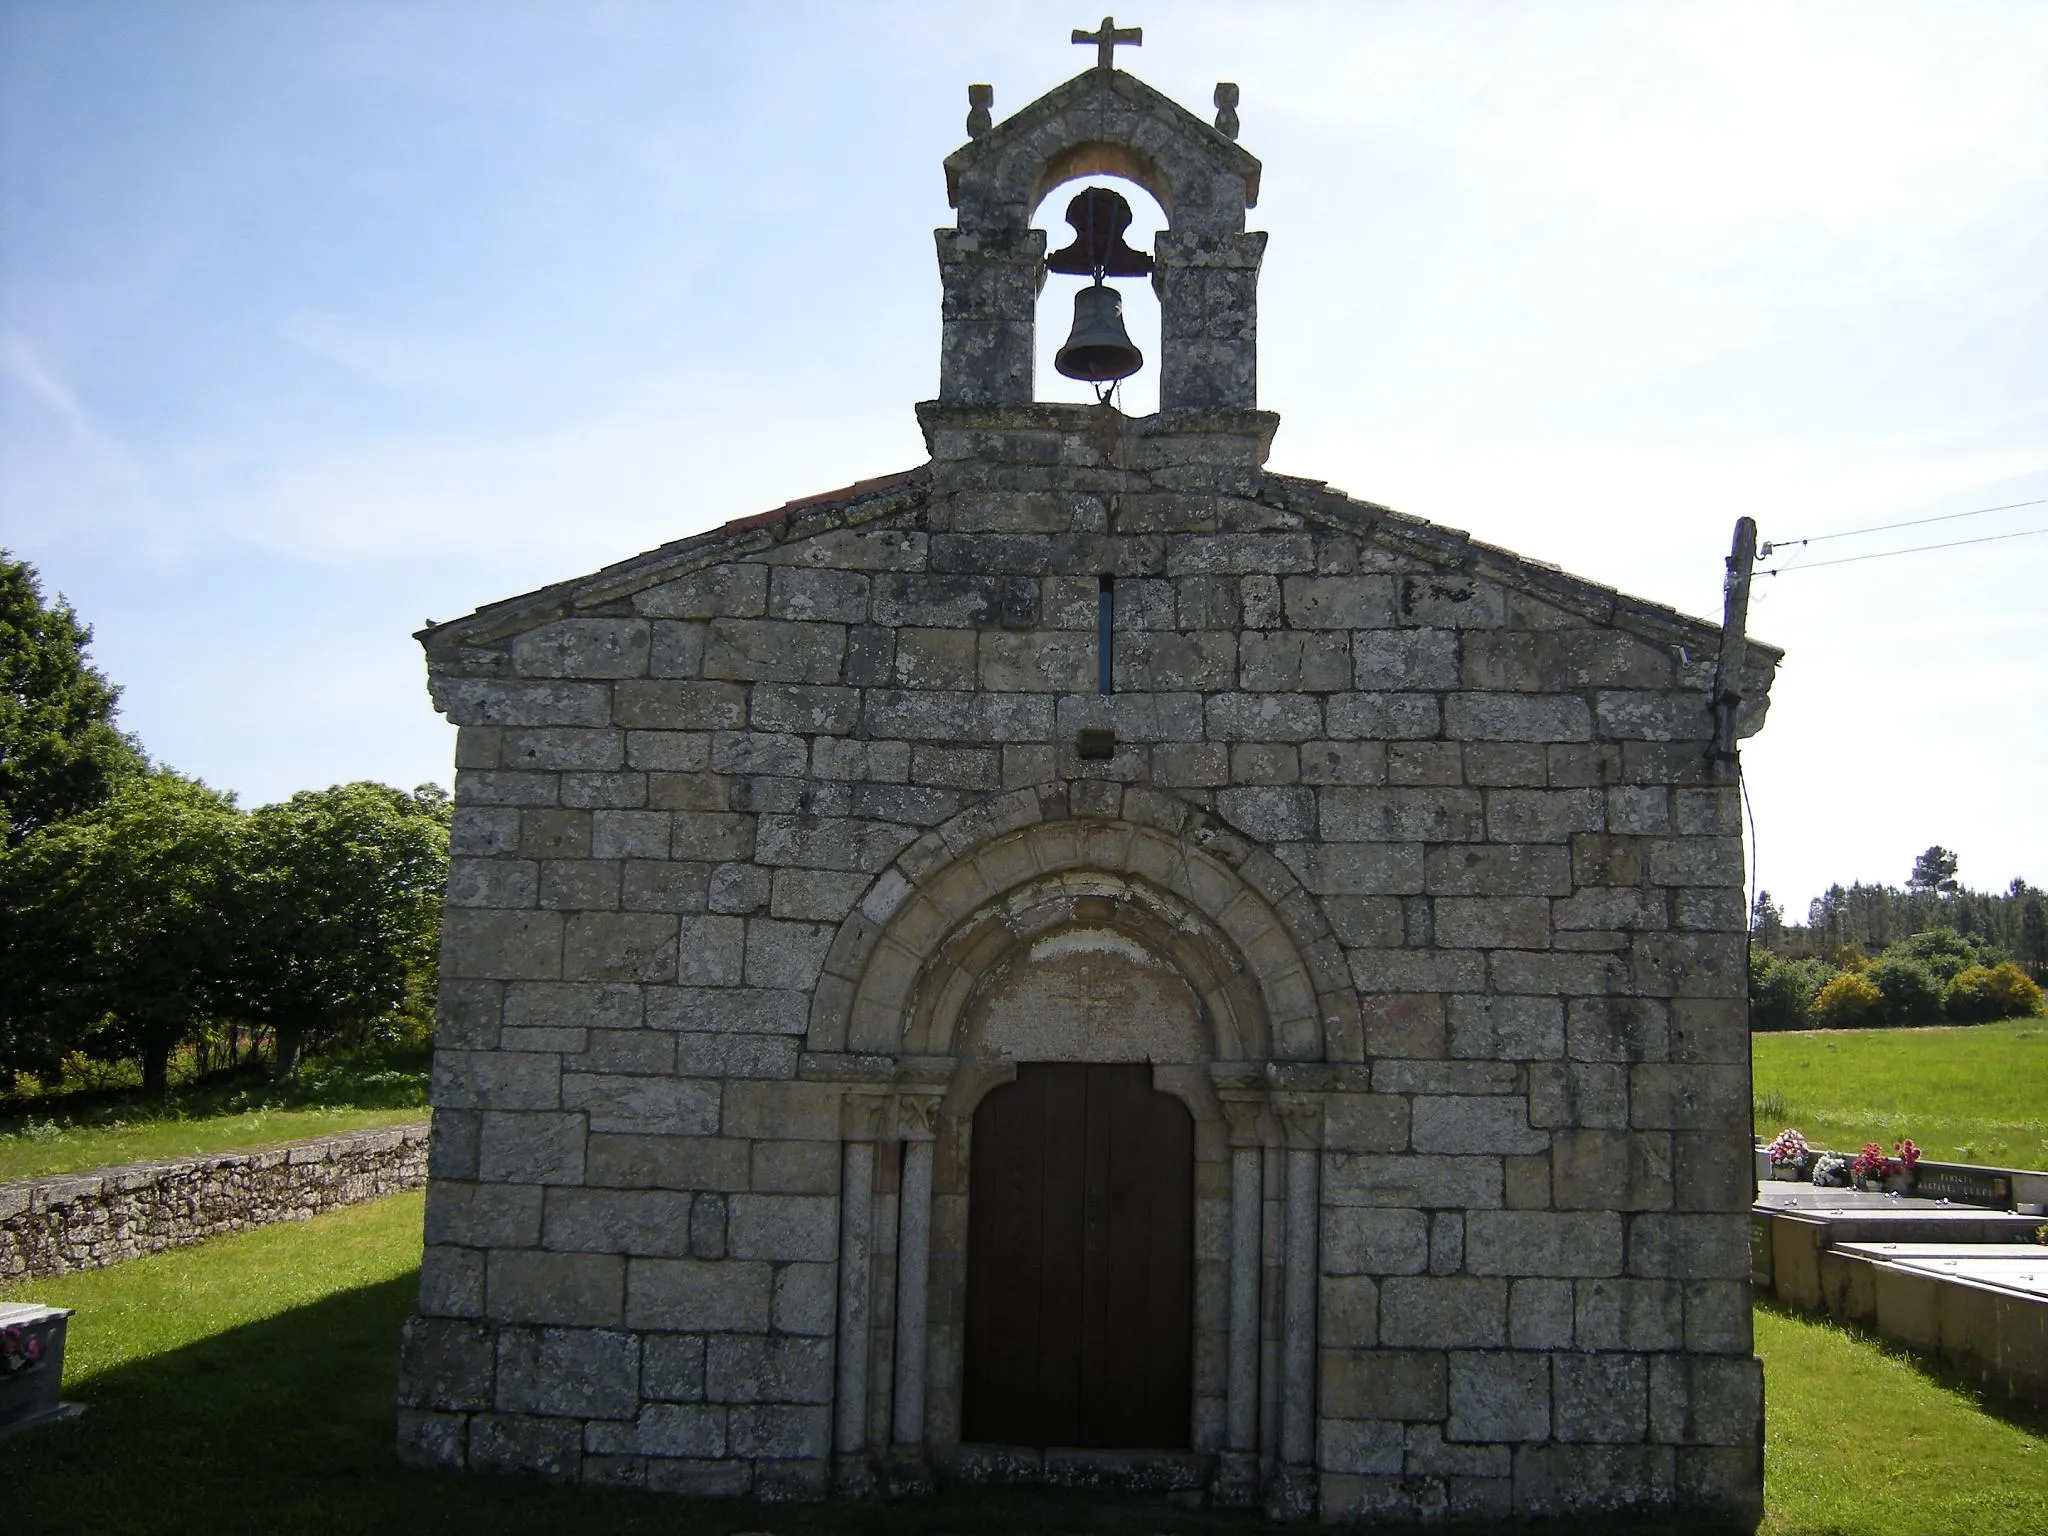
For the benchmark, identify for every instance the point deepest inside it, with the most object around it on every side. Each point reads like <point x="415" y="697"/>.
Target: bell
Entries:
<point x="1098" y="350"/>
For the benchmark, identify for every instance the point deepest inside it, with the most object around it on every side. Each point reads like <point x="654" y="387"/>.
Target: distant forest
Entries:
<point x="1874" y="917"/>
<point x="1930" y="951"/>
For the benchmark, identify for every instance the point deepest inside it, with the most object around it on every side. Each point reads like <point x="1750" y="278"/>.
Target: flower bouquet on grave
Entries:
<point x="1831" y="1171"/>
<point x="1870" y="1167"/>
<point x="20" y="1350"/>
<point x="1789" y="1155"/>
<point x="1901" y="1175"/>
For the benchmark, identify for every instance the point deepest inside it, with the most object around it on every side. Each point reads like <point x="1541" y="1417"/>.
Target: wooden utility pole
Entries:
<point x="1725" y="762"/>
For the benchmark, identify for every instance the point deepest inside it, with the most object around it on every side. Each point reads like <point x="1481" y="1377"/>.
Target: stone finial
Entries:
<point x="1226" y="108"/>
<point x="979" y="99"/>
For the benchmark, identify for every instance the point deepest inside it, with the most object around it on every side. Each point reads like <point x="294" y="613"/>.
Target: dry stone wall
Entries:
<point x="66" y="1222"/>
<point x="1431" y="830"/>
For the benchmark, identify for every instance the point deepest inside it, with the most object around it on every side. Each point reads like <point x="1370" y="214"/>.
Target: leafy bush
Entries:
<point x="1782" y="991"/>
<point x="1848" y="1001"/>
<point x="1983" y="993"/>
<point x="1908" y="992"/>
<point x="1945" y="952"/>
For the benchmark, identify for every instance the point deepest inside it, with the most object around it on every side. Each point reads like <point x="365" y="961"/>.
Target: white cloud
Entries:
<point x="20" y="363"/>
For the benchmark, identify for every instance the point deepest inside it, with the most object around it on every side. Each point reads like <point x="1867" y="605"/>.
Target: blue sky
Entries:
<point x="318" y="321"/>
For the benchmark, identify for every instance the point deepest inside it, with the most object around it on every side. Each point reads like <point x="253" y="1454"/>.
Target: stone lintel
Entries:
<point x="845" y="1067"/>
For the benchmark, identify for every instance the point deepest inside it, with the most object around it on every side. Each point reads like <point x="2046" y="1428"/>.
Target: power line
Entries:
<point x="1918" y="549"/>
<point x="1916" y="522"/>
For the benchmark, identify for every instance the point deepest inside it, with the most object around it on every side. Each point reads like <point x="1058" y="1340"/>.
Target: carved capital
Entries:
<point x="917" y="1116"/>
<point x="1247" y="1119"/>
<point x="1301" y="1119"/>
<point x="863" y="1116"/>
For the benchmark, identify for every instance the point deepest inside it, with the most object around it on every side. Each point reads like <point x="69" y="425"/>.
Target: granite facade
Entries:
<point x="745" y="827"/>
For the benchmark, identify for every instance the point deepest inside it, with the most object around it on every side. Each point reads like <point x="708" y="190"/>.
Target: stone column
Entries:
<point x="1237" y="1478"/>
<point x="915" y="1115"/>
<point x="990" y="280"/>
<point x="1208" y="286"/>
<point x="860" y="1124"/>
<point x="1293" y="1496"/>
<point x="1273" y="1270"/>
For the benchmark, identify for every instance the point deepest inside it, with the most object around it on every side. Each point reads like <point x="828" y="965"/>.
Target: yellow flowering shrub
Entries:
<point x="1846" y="1001"/>
<point x="1986" y="992"/>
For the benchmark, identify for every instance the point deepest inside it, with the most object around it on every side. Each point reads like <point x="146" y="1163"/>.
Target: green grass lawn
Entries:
<point x="246" y="1384"/>
<point x="1974" y="1093"/>
<point x="1863" y="1436"/>
<point x="344" y="1092"/>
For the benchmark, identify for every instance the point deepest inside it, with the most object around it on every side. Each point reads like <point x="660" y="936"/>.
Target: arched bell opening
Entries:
<point x="1106" y="161"/>
<point x="1137" y="394"/>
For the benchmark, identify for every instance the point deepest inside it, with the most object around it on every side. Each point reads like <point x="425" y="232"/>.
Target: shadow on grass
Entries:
<point x="287" y="1426"/>
<point x="1987" y="1400"/>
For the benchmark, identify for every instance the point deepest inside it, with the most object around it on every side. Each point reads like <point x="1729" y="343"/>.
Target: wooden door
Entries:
<point x="1080" y="1262"/>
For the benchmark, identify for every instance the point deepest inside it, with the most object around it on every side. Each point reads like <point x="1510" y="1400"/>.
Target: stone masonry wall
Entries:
<point x="710" y="801"/>
<point x="71" y="1221"/>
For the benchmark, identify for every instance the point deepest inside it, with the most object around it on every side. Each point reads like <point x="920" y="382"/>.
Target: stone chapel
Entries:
<point x="1087" y="960"/>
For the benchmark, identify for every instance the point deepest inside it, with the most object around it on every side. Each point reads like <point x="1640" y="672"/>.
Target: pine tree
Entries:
<point x="1934" y="871"/>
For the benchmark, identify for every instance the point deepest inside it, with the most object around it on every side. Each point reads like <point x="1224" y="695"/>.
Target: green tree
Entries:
<point x="1781" y="992"/>
<point x="2031" y="941"/>
<point x="336" y="910"/>
<point x="1934" y="871"/>
<point x="1945" y="952"/>
<point x="1767" y="920"/>
<point x="60" y="753"/>
<point x="1908" y="992"/>
<point x="1827" y="916"/>
<point x="115" y="931"/>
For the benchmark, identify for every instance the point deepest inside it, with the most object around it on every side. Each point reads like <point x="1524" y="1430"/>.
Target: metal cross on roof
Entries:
<point x="1106" y="39"/>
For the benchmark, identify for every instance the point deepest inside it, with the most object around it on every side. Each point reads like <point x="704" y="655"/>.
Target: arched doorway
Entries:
<point x="1080" y="1261"/>
<point x="994" y="941"/>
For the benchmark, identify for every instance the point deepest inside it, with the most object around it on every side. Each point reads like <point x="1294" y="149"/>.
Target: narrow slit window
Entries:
<point x="1105" y="635"/>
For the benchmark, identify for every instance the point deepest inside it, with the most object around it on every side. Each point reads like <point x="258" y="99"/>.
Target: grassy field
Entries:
<point x="344" y="1092"/>
<point x="1970" y="1093"/>
<point x="246" y="1385"/>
